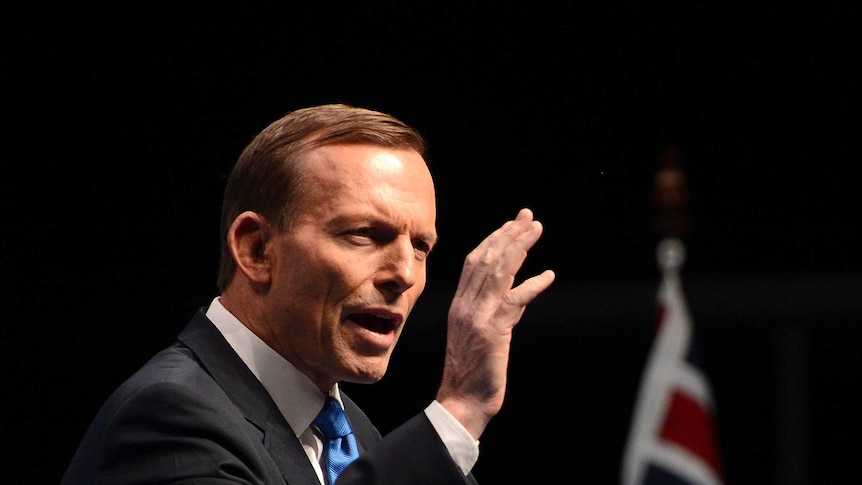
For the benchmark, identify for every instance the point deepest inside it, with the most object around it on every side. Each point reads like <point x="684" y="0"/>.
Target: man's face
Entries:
<point x="353" y="263"/>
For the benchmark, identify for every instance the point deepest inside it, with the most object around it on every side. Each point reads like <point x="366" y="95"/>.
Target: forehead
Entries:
<point x="392" y="182"/>
<point x="345" y="163"/>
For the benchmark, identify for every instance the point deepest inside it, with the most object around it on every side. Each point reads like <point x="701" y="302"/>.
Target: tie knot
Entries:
<point x="331" y="421"/>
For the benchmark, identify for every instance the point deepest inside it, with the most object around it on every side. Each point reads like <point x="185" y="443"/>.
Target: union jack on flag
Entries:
<point x="672" y="439"/>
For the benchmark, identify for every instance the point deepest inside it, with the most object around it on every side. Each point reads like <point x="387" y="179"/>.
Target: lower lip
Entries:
<point x="374" y="341"/>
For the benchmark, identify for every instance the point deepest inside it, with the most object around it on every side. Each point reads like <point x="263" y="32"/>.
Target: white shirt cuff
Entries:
<point x="461" y="445"/>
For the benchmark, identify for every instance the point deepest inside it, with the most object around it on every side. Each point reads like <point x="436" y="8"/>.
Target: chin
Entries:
<point x="367" y="372"/>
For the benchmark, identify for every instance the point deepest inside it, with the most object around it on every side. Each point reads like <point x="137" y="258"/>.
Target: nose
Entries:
<point x="400" y="266"/>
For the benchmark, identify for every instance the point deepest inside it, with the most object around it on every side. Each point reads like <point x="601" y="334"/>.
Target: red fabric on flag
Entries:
<point x="690" y="425"/>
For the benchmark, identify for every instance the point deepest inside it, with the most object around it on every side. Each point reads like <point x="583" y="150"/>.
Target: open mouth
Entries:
<point x="374" y="323"/>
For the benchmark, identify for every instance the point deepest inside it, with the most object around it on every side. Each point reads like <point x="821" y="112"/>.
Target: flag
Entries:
<point x="672" y="439"/>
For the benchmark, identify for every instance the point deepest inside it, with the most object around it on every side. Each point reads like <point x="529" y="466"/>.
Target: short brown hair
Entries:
<point x="264" y="178"/>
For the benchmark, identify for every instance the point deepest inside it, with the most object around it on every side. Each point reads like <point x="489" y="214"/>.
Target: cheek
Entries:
<point x="302" y="287"/>
<point x="322" y="271"/>
<point x="321" y="280"/>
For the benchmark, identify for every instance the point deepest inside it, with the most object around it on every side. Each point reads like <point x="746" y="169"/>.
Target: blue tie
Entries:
<point x="340" y="443"/>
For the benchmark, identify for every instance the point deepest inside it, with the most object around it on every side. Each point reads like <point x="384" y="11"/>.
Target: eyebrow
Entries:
<point x="431" y="239"/>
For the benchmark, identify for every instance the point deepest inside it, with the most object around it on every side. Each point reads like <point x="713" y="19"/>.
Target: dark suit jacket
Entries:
<point x="195" y="413"/>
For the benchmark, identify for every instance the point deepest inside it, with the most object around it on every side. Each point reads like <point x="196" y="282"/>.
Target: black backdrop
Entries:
<point x="122" y="120"/>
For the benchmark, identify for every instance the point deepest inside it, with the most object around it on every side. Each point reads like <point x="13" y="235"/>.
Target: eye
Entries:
<point x="360" y="235"/>
<point x="422" y="247"/>
<point x="361" y="232"/>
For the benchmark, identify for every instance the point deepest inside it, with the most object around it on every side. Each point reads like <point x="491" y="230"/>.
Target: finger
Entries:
<point x="524" y="293"/>
<point x="486" y="257"/>
<point x="516" y="252"/>
<point x="500" y="277"/>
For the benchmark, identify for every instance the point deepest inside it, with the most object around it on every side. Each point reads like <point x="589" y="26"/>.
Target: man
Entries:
<point x="329" y="217"/>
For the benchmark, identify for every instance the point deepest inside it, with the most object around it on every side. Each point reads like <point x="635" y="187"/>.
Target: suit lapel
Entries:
<point x="366" y="433"/>
<point x="250" y="397"/>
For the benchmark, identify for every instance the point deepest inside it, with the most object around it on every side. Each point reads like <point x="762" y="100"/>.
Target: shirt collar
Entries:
<point x="295" y="395"/>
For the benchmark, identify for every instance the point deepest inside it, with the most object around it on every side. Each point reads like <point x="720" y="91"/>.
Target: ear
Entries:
<point x="248" y="237"/>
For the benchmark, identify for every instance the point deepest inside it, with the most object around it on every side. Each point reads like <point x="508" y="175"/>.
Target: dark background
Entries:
<point x="123" y="119"/>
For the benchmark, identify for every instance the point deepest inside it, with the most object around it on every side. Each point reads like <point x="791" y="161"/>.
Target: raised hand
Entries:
<point x="482" y="316"/>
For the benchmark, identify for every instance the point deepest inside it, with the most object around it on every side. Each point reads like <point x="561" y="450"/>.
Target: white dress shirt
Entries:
<point x="299" y="400"/>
